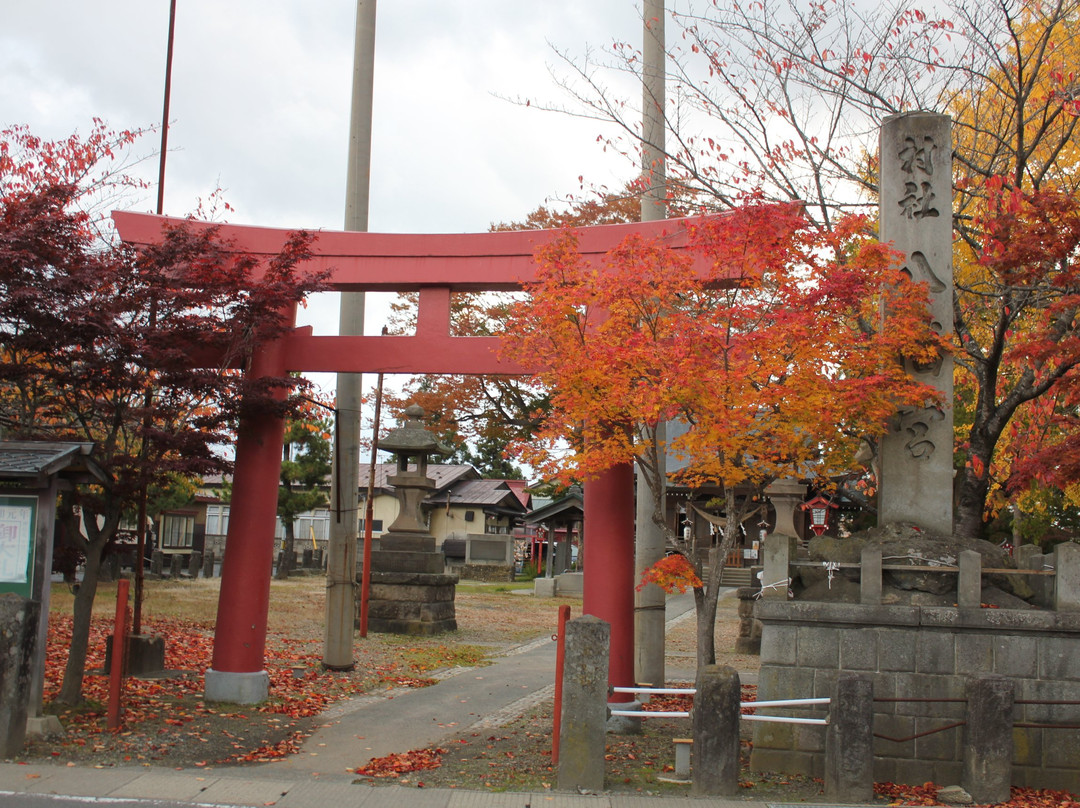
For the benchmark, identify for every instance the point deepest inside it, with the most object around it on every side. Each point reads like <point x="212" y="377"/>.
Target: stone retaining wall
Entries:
<point x="499" y="573"/>
<point x="921" y="653"/>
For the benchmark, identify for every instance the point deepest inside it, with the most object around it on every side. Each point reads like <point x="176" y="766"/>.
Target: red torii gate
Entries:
<point x="435" y="266"/>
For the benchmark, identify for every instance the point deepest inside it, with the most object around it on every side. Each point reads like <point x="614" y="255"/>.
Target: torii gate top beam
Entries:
<point x="433" y="264"/>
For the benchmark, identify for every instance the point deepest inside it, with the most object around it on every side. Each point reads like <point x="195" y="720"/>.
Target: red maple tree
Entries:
<point x="88" y="326"/>
<point x="776" y="360"/>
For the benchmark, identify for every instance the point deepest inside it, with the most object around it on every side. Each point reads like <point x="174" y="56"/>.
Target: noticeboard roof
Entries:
<point x="36" y="461"/>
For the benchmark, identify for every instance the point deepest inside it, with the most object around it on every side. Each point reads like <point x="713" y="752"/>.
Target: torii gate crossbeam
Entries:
<point x="435" y="266"/>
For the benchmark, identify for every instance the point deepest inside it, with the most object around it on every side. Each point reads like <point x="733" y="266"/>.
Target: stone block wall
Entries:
<point x="484" y="572"/>
<point x="916" y="654"/>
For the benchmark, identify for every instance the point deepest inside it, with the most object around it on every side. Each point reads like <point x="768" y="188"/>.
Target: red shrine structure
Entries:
<point x="435" y="266"/>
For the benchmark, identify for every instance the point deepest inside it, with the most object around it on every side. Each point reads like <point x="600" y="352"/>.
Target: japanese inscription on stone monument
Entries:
<point x="916" y="216"/>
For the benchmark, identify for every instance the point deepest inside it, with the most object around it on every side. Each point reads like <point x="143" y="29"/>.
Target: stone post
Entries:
<point x="208" y="564"/>
<point x="749" y="639"/>
<point x="1067" y="577"/>
<point x="849" y="740"/>
<point x="870" y="577"/>
<point x="157" y="562"/>
<point x="584" y="705"/>
<point x="916" y="216"/>
<point x="18" y="638"/>
<point x="194" y="564"/>
<point x="307" y="558"/>
<point x="715" y="720"/>
<point x="969" y="582"/>
<point x="988" y="741"/>
<point x="777" y="574"/>
<point x="176" y="565"/>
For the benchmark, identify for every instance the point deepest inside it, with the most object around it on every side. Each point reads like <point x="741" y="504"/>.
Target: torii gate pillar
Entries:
<point x="609" y="566"/>
<point x="236" y="671"/>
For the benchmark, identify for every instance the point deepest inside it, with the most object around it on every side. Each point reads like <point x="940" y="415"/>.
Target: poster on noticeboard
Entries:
<point x="18" y="517"/>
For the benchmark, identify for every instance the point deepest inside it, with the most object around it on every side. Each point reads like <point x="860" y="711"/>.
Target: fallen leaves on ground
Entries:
<point x="926" y="794"/>
<point x="402" y="763"/>
<point x="163" y="714"/>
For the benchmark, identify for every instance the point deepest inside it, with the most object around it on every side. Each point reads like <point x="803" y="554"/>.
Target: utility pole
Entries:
<point x="649" y="621"/>
<point x="344" y="521"/>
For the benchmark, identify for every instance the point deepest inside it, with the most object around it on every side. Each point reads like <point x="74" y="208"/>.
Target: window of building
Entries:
<point x="217" y="520"/>
<point x="376" y="527"/>
<point x="177" y="530"/>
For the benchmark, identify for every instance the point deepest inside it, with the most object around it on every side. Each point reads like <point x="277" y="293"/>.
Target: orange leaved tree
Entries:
<point x="765" y="339"/>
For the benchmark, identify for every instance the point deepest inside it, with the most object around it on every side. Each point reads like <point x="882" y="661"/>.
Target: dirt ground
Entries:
<point x="167" y="723"/>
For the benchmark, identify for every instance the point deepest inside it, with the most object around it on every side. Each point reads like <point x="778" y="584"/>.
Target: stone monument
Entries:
<point x="410" y="592"/>
<point x="916" y="216"/>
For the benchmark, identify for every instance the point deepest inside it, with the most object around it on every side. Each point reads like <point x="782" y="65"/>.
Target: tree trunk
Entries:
<point x="972" y="488"/>
<point x="71" y="689"/>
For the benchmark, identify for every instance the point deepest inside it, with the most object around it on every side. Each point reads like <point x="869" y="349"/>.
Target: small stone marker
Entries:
<point x="1067" y="577"/>
<point x="849" y="740"/>
<point x="584" y="708"/>
<point x="715" y="720"/>
<point x="969" y="583"/>
<point x="988" y="740"/>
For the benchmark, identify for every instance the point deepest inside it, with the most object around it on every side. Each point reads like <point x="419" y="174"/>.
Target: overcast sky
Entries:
<point x="261" y="93"/>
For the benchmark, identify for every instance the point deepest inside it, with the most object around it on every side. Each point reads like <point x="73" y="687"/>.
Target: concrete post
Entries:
<point x="345" y="483"/>
<point x="584" y="705"/>
<point x="849" y="740"/>
<point x="870" y="577"/>
<point x="1067" y="577"/>
<point x="715" y="720"/>
<point x="649" y="623"/>
<point x="777" y="574"/>
<point x="176" y="566"/>
<point x="916" y="216"/>
<point x="208" y="564"/>
<point x="988" y="741"/>
<point x="194" y="564"/>
<point x="18" y="638"/>
<point x="969" y="581"/>
<point x="157" y="563"/>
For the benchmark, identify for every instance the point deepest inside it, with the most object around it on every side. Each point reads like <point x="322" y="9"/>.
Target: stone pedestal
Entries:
<point x="418" y="603"/>
<point x="145" y="655"/>
<point x="18" y="637"/>
<point x="407" y="552"/>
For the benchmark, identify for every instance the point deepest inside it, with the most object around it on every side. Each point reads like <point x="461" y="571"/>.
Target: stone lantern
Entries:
<point x="410" y="592"/>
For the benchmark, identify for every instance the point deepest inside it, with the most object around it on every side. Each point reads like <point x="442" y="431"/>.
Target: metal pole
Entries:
<point x="649" y="619"/>
<point x="341" y="564"/>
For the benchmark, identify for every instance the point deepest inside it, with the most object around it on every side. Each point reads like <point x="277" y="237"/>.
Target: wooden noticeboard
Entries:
<point x="18" y="539"/>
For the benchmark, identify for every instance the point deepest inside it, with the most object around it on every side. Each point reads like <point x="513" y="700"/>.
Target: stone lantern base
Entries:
<point x="417" y="603"/>
<point x="410" y="593"/>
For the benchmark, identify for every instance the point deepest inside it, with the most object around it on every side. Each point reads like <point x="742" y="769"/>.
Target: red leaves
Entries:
<point x="402" y="763"/>
<point x="174" y="705"/>
<point x="926" y="794"/>
<point x="764" y="337"/>
<point x="672" y="573"/>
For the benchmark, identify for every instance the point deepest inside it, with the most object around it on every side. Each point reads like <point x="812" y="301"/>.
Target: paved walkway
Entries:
<point x="354" y="732"/>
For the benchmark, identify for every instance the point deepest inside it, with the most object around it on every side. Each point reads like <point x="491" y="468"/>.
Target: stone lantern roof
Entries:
<point x="412" y="439"/>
